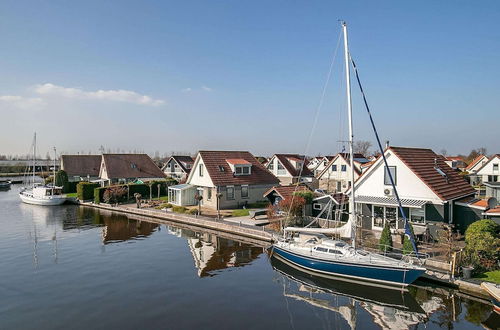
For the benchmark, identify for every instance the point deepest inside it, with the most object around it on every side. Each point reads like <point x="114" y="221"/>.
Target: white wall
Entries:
<point x="339" y="175"/>
<point x="488" y="169"/>
<point x="275" y="162"/>
<point x="194" y="175"/>
<point x="407" y="183"/>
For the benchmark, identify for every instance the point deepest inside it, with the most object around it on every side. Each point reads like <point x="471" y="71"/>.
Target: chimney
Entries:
<point x="387" y="144"/>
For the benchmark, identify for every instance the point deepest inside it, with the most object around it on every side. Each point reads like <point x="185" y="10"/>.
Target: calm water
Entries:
<point x="78" y="268"/>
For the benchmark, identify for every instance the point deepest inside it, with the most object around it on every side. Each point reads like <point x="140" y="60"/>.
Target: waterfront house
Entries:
<point x="336" y="175"/>
<point x="331" y="206"/>
<point x="474" y="167"/>
<point x="124" y="168"/>
<point x="455" y="162"/>
<point x="321" y="164"/>
<point x="81" y="167"/>
<point x="178" y="167"/>
<point x="290" y="169"/>
<point x="314" y="162"/>
<point x="428" y="189"/>
<point x="490" y="172"/>
<point x="231" y="178"/>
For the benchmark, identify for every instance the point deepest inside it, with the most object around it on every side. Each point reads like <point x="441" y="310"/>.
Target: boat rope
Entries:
<point x="408" y="231"/>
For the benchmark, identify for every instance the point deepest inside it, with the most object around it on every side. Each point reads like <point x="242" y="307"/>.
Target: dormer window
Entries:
<point x="221" y="168"/>
<point x="240" y="166"/>
<point x="242" y="169"/>
<point x="132" y="165"/>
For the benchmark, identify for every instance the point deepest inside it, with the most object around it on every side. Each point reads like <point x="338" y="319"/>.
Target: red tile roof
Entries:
<point x="237" y="161"/>
<point x="129" y="166"/>
<point x="286" y="192"/>
<point x="421" y="162"/>
<point x="475" y="161"/>
<point x="495" y="211"/>
<point x="454" y="158"/>
<point x="283" y="158"/>
<point x="214" y="160"/>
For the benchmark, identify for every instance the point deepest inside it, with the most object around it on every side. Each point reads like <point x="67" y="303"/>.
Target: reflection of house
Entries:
<point x="236" y="176"/>
<point x="178" y="167"/>
<point x="288" y="168"/>
<point x="427" y="187"/>
<point x="212" y="253"/>
<point x="123" y="168"/>
<point x="119" y="230"/>
<point x="81" y="167"/>
<point x="335" y="176"/>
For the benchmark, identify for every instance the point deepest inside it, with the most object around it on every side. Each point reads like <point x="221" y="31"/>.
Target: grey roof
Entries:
<point x="391" y="201"/>
<point x="181" y="186"/>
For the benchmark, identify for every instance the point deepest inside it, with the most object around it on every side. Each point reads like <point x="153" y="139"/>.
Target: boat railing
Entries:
<point x="392" y="253"/>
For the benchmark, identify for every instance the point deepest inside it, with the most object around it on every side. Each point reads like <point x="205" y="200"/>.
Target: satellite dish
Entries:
<point x="492" y="202"/>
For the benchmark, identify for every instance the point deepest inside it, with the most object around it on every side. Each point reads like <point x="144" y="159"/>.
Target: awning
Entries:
<point x="390" y="201"/>
<point x="181" y="186"/>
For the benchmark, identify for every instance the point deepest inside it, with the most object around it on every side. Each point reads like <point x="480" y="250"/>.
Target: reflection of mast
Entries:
<point x="35" y="245"/>
<point x="54" y="238"/>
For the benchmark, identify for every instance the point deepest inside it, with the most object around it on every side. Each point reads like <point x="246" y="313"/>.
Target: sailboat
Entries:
<point x="42" y="194"/>
<point x="311" y="250"/>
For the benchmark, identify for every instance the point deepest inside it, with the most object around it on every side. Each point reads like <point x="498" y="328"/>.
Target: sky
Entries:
<point x="183" y="76"/>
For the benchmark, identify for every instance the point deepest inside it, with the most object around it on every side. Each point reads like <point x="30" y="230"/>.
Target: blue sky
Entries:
<point x="189" y="75"/>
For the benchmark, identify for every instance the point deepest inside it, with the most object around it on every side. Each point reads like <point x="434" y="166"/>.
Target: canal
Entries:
<point x="81" y="268"/>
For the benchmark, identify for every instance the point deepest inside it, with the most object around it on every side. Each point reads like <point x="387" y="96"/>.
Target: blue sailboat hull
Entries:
<point x="393" y="276"/>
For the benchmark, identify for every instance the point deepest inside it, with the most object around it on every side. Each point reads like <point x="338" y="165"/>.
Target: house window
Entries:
<point x="242" y="170"/>
<point x="387" y="179"/>
<point x="334" y="168"/>
<point x="492" y="178"/>
<point x="209" y="194"/>
<point x="270" y="166"/>
<point x="244" y="191"/>
<point x="229" y="192"/>
<point x="201" y="169"/>
<point x="281" y="169"/>
<point x="378" y="216"/>
<point x="339" y="185"/>
<point x="495" y="167"/>
<point x="417" y="215"/>
<point x="343" y="168"/>
<point x="317" y="206"/>
<point x="382" y="215"/>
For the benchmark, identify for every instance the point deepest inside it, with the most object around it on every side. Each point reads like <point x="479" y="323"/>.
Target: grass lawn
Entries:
<point x="493" y="276"/>
<point x="71" y="195"/>
<point x="240" y="213"/>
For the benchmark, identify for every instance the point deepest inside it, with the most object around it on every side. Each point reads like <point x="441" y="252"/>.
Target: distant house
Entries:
<point x="321" y="164"/>
<point x="428" y="189"/>
<point x="278" y="193"/>
<point x="456" y="163"/>
<point x="123" y="168"/>
<point x="314" y="162"/>
<point x="490" y="172"/>
<point x="472" y="209"/>
<point x="336" y="175"/>
<point x="237" y="176"/>
<point x="178" y="167"/>
<point x="290" y="168"/>
<point x="81" y="167"/>
<point x="474" y="167"/>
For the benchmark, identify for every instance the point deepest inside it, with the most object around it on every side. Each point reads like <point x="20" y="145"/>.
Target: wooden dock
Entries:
<point x="227" y="229"/>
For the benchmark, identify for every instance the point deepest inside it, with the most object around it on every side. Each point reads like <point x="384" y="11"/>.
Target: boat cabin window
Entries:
<point x="340" y="244"/>
<point x="334" y="251"/>
<point x="320" y="249"/>
<point x="363" y="253"/>
<point x="312" y="240"/>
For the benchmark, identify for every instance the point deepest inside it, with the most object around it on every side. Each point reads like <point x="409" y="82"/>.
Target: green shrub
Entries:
<point x="179" y="209"/>
<point x="407" y="245"/>
<point x="61" y="180"/>
<point x="85" y="190"/>
<point x="164" y="206"/>
<point x="258" y="205"/>
<point x="97" y="195"/>
<point x="482" y="244"/>
<point x="306" y="194"/>
<point x="385" y="242"/>
<point x="192" y="211"/>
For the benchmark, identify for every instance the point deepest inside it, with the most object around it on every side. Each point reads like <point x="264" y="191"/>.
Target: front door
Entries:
<point x="200" y="193"/>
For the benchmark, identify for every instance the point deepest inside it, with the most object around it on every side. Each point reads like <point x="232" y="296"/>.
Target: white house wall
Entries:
<point x="275" y="162"/>
<point x="488" y="168"/>
<point x="408" y="184"/>
<point x="339" y="175"/>
<point x="194" y="175"/>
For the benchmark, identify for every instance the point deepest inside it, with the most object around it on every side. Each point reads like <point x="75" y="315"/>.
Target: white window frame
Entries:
<point x="200" y="170"/>
<point x="343" y="168"/>
<point x="386" y="175"/>
<point x="317" y="206"/>
<point x="384" y="219"/>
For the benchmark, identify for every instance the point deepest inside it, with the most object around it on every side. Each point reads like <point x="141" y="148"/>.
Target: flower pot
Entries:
<point x="467" y="272"/>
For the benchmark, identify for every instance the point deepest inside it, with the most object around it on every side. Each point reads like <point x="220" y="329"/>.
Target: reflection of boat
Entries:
<point x="335" y="258"/>
<point x="42" y="195"/>
<point x="493" y="291"/>
<point x="5" y="184"/>
<point x="389" y="308"/>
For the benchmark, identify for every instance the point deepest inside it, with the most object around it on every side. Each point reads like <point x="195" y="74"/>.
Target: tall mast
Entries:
<point x="34" y="159"/>
<point x="54" y="171"/>
<point x="352" y="214"/>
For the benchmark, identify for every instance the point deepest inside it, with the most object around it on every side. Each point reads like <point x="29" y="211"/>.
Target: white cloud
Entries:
<point x="22" y="102"/>
<point x="205" y="88"/>
<point x="186" y="90"/>
<point x="109" y="95"/>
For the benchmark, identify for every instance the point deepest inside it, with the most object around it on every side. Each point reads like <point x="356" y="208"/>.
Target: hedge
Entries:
<point x="141" y="188"/>
<point x="85" y="190"/>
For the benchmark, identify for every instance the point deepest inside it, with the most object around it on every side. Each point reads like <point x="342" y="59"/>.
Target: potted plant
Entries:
<point x="467" y="265"/>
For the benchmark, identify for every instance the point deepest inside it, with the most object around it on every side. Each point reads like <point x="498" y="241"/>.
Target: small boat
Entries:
<point x="335" y="258"/>
<point x="41" y="194"/>
<point x="493" y="291"/>
<point x="5" y="184"/>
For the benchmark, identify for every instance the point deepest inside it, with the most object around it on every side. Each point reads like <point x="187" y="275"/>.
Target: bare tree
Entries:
<point x="362" y="147"/>
<point x="482" y="151"/>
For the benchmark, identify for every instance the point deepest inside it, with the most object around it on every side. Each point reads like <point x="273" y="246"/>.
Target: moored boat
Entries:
<point x="493" y="291"/>
<point x="5" y="184"/>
